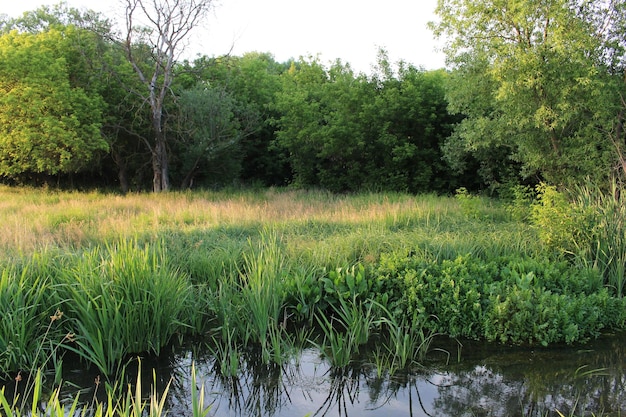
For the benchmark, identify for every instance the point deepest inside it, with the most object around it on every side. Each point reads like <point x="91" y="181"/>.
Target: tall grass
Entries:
<point x="132" y="272"/>
<point x="121" y="299"/>
<point x="34" y="219"/>
<point x="606" y="246"/>
<point x="25" y="328"/>
<point x="263" y="289"/>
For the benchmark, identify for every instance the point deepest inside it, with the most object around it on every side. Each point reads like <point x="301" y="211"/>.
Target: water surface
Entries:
<point x="467" y="379"/>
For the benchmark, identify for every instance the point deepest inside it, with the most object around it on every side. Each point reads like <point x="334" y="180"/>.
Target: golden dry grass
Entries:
<point x="34" y="218"/>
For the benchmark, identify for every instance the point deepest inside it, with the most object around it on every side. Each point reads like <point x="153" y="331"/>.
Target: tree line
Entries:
<point x="534" y="91"/>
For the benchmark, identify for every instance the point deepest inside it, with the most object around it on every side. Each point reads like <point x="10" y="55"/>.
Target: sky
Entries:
<point x="351" y="30"/>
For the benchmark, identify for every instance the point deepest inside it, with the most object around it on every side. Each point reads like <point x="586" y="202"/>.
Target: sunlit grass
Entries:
<point x="33" y="219"/>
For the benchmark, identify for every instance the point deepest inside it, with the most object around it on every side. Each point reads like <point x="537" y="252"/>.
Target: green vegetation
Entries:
<point x="531" y="111"/>
<point x="130" y="403"/>
<point x="242" y="269"/>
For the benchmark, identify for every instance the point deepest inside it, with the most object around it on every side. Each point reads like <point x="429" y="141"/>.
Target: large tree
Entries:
<point x="533" y="78"/>
<point x="159" y="28"/>
<point x="49" y="122"/>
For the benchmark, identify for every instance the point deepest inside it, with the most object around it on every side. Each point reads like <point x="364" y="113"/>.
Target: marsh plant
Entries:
<point x="607" y="249"/>
<point x="22" y="308"/>
<point x="119" y="402"/>
<point x="121" y="299"/>
<point x="134" y="273"/>
<point x="263" y="278"/>
<point x="406" y="345"/>
<point x="350" y="326"/>
<point x="588" y="224"/>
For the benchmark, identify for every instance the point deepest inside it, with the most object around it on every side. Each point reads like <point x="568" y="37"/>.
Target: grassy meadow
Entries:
<point x="106" y="276"/>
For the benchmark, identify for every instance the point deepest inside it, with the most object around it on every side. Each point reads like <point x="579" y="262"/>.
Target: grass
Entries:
<point x="134" y="273"/>
<point x="121" y="299"/>
<point x="35" y="219"/>
<point x="119" y="403"/>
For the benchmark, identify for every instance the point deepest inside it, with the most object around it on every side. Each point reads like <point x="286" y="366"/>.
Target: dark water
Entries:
<point x="482" y="380"/>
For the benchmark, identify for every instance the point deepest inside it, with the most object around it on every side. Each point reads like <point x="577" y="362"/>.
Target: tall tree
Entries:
<point x="48" y="123"/>
<point x="165" y="26"/>
<point x="213" y="123"/>
<point x="530" y="78"/>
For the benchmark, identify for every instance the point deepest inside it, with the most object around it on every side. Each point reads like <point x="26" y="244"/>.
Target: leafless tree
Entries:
<point x="160" y="27"/>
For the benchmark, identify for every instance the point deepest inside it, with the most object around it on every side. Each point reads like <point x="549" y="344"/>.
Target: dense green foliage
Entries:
<point x="49" y="123"/>
<point x="345" y="132"/>
<point x="532" y="93"/>
<point x="541" y="83"/>
<point x="510" y="299"/>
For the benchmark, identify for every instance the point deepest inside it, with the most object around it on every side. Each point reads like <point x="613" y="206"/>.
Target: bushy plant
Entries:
<point x="562" y="226"/>
<point x="520" y="199"/>
<point x="507" y="299"/>
<point x="530" y="315"/>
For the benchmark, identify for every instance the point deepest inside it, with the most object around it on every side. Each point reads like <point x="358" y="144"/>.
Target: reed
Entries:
<point x="605" y="245"/>
<point x="227" y="354"/>
<point x="122" y="299"/>
<point x="338" y="344"/>
<point x="263" y="291"/>
<point x="119" y="402"/>
<point x="198" y="407"/>
<point x="22" y="308"/>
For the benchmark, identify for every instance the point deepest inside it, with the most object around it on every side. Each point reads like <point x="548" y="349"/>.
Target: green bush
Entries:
<point x="508" y="299"/>
<point x="532" y="315"/>
<point x="563" y="227"/>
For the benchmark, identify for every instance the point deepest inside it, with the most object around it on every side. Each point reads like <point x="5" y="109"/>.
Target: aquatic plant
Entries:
<point x="23" y="305"/>
<point x="350" y="325"/>
<point x="262" y="291"/>
<point x="123" y="299"/>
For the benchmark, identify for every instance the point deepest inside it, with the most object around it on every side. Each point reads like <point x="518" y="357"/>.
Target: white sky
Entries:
<point x="352" y="30"/>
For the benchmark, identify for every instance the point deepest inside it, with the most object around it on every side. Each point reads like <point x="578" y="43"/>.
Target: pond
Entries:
<point x="459" y="379"/>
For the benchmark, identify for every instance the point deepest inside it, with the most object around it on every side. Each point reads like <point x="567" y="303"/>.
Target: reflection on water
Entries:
<point x="487" y="381"/>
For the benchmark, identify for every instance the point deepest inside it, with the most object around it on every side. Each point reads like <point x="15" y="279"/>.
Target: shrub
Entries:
<point x="507" y="299"/>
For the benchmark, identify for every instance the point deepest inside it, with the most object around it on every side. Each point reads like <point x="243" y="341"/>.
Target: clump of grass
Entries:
<point x="26" y="334"/>
<point x="350" y="326"/>
<point x="263" y="290"/>
<point x="407" y="344"/>
<point x="122" y="299"/>
<point x="226" y="353"/>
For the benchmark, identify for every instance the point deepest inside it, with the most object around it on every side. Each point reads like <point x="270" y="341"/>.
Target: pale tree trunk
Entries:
<point x="160" y="159"/>
<point x="169" y="21"/>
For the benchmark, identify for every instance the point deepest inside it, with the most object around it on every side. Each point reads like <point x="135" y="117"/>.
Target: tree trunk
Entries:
<point x="160" y="166"/>
<point x="122" y="170"/>
<point x="160" y="181"/>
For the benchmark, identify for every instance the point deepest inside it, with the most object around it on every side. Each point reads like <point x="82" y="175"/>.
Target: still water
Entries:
<point x="469" y="379"/>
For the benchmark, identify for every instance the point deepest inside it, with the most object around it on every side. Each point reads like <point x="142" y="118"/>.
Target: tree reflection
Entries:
<point x="494" y="383"/>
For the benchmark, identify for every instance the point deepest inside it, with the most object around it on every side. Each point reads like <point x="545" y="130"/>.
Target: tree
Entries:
<point x="346" y="132"/>
<point x="47" y="125"/>
<point x="212" y="126"/>
<point x="531" y="77"/>
<point x="169" y="22"/>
